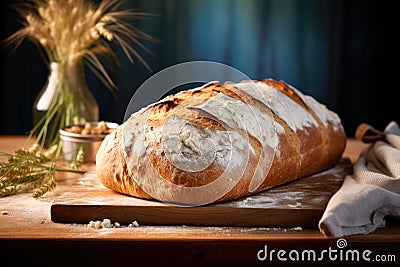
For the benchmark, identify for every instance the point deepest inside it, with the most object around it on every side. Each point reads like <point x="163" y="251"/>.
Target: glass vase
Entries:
<point x="64" y="100"/>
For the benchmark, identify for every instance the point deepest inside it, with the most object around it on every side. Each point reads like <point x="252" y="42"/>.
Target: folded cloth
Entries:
<point x="372" y="192"/>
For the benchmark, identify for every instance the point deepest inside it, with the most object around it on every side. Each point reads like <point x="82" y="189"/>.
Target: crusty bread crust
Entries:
<point x="111" y="167"/>
<point x="306" y="143"/>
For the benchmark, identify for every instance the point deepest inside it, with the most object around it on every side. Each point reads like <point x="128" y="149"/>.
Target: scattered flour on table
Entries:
<point x="28" y="209"/>
<point x="254" y="229"/>
<point x="106" y="223"/>
<point x="277" y="199"/>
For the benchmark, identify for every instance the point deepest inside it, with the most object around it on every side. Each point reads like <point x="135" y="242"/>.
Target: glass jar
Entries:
<point x="64" y="100"/>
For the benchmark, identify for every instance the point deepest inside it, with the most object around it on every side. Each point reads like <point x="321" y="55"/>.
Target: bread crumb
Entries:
<point x="97" y="224"/>
<point x="298" y="204"/>
<point x="298" y="228"/>
<point x="106" y="223"/>
<point x="247" y="199"/>
<point x="134" y="224"/>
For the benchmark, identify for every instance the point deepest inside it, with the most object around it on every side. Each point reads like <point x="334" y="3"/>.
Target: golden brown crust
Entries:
<point x="301" y="151"/>
<point x="112" y="169"/>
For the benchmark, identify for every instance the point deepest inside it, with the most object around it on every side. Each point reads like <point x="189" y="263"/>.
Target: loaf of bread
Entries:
<point x="220" y="142"/>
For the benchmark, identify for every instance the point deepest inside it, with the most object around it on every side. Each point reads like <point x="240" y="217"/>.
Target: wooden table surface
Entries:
<point x="26" y="230"/>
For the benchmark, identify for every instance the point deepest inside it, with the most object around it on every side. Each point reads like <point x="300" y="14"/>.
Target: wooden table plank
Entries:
<point x="27" y="232"/>
<point x="23" y="217"/>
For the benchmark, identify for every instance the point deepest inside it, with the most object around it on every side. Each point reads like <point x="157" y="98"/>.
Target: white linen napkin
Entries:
<point x="372" y="192"/>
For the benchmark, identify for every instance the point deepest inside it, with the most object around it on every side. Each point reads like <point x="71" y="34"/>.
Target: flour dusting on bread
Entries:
<point x="221" y="142"/>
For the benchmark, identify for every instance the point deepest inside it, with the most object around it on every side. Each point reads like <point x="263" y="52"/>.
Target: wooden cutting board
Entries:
<point x="298" y="203"/>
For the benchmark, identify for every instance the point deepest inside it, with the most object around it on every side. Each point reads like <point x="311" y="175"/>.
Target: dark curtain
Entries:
<point x="343" y="53"/>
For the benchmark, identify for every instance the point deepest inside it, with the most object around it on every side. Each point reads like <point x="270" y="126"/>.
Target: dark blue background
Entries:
<point x="343" y="53"/>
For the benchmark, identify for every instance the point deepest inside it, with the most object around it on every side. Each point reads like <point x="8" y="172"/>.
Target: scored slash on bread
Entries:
<point x="220" y="142"/>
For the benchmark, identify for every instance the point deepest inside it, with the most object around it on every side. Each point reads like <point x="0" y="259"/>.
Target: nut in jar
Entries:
<point x="90" y="128"/>
<point x="84" y="140"/>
